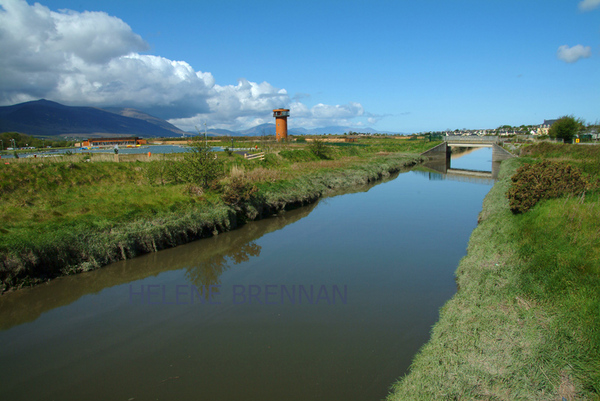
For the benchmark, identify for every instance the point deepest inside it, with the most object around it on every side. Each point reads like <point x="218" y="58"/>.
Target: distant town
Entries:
<point x="591" y="131"/>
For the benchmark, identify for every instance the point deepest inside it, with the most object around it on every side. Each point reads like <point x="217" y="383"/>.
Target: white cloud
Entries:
<point x="92" y="58"/>
<point x="233" y="110"/>
<point x="237" y="106"/>
<point x="38" y="46"/>
<point x="335" y="112"/>
<point x="322" y="115"/>
<point x="587" y="5"/>
<point x="573" y="54"/>
<point x="134" y="80"/>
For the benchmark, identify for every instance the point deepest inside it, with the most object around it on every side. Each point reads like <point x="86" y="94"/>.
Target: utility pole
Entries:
<point x="205" y="139"/>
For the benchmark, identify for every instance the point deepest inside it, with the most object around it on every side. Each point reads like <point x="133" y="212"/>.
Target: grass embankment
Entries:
<point x="70" y="216"/>
<point x="525" y="322"/>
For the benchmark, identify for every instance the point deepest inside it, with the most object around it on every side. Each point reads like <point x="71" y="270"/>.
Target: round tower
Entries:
<point x="281" y="116"/>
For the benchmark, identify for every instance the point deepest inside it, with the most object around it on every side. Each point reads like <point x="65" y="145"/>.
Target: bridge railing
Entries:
<point x="472" y="139"/>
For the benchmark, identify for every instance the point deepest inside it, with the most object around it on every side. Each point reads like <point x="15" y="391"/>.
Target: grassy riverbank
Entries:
<point x="67" y="216"/>
<point x="525" y="323"/>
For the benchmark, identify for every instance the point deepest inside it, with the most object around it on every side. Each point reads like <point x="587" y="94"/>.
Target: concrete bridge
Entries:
<point x="472" y="141"/>
<point x="444" y="149"/>
<point x="439" y="156"/>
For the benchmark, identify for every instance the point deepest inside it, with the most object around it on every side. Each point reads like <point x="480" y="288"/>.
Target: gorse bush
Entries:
<point x="545" y="180"/>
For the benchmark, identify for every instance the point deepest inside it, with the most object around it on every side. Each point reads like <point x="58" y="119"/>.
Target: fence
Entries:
<point x="259" y="156"/>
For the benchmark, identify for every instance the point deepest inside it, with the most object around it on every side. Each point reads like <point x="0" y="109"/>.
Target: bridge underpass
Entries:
<point x="440" y="158"/>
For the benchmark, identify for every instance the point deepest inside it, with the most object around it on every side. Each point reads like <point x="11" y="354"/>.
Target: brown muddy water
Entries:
<point x="326" y="302"/>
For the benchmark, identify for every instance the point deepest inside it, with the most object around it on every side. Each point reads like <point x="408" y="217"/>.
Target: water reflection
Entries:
<point x="207" y="272"/>
<point x="478" y="167"/>
<point x="204" y="262"/>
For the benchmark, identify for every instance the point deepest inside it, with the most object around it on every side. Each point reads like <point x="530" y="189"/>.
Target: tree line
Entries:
<point x="24" y="140"/>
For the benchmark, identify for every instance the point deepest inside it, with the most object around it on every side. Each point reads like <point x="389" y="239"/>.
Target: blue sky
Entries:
<point x="392" y="65"/>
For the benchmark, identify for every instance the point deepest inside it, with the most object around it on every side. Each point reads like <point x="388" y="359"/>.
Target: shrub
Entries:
<point x="565" y="128"/>
<point x="319" y="149"/>
<point x="194" y="190"/>
<point x="199" y="166"/>
<point x="238" y="190"/>
<point x="159" y="172"/>
<point x="545" y="180"/>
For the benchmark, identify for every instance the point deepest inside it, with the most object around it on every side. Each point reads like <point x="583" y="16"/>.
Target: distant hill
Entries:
<point x="133" y="113"/>
<point x="46" y="118"/>
<point x="259" y="130"/>
<point x="221" y="132"/>
<point x="269" y="129"/>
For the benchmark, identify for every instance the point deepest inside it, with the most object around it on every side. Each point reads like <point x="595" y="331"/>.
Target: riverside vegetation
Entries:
<point x="66" y="215"/>
<point x="525" y="322"/>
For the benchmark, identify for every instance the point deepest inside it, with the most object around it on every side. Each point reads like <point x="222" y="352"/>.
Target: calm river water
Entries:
<point x="379" y="262"/>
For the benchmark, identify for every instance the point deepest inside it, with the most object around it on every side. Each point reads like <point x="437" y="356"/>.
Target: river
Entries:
<point x="326" y="302"/>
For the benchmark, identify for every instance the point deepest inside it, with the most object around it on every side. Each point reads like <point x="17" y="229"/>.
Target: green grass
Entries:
<point x="43" y="196"/>
<point x="560" y="247"/>
<point x="525" y="323"/>
<point x="298" y="155"/>
<point x="63" y="217"/>
<point x="586" y="157"/>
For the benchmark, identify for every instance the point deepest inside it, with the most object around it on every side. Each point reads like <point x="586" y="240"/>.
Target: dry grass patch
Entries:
<point x="321" y="164"/>
<point x="261" y="174"/>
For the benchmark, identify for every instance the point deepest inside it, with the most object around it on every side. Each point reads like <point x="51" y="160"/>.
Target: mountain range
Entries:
<point x="50" y="119"/>
<point x="44" y="118"/>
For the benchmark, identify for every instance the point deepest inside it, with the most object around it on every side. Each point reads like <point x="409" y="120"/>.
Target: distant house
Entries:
<point x="592" y="134"/>
<point x="544" y="128"/>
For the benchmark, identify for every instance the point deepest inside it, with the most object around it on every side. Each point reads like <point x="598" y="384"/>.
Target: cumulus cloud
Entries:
<point x="573" y="54"/>
<point x="172" y="88"/>
<point x="39" y="46"/>
<point x="238" y="106"/>
<point x="326" y="115"/>
<point x="92" y="58"/>
<point x="234" y="109"/>
<point x="587" y="5"/>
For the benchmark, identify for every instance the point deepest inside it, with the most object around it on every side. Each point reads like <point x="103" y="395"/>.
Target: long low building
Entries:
<point x="123" y="141"/>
